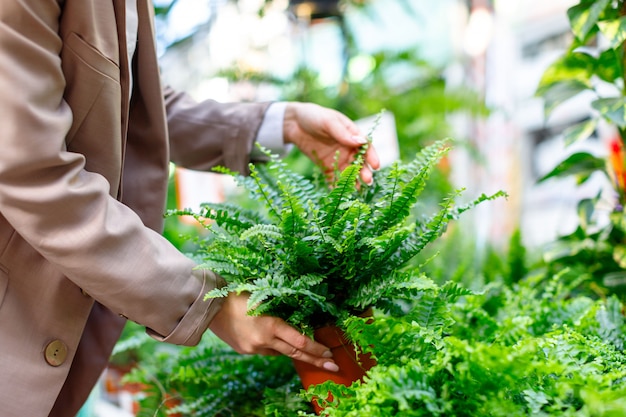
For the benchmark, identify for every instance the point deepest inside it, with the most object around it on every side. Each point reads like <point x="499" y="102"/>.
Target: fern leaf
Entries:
<point x="423" y="157"/>
<point x="262" y="231"/>
<point x="457" y="211"/>
<point x="230" y="216"/>
<point x="343" y="190"/>
<point x="422" y="236"/>
<point x="353" y="211"/>
<point x="263" y="188"/>
<point x="287" y="184"/>
<point x="293" y="217"/>
<point x="385" y="247"/>
<point x="400" y="207"/>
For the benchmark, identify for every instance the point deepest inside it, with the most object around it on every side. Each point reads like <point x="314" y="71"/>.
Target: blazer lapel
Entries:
<point x="120" y="18"/>
<point x="147" y="147"/>
<point x="146" y="54"/>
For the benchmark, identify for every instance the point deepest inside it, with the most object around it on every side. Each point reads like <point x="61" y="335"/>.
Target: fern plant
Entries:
<point x="320" y="252"/>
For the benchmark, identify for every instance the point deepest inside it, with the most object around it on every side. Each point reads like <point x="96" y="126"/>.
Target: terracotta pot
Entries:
<point x="351" y="366"/>
<point x="170" y="401"/>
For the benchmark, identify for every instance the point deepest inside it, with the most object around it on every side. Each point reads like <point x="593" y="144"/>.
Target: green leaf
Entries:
<point x="400" y="207"/>
<point x="558" y="93"/>
<point x="585" y="212"/>
<point x="261" y="231"/>
<point x="457" y="211"/>
<point x="614" y="31"/>
<point x="343" y="190"/>
<point x="608" y="66"/>
<point x="619" y="255"/>
<point x="580" y="164"/>
<point x="613" y="109"/>
<point x="577" y="65"/>
<point x="615" y="279"/>
<point x="583" y="17"/>
<point x="580" y="131"/>
<point x="559" y="250"/>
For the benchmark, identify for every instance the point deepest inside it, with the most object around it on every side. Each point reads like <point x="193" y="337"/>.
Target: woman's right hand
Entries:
<point x="266" y="335"/>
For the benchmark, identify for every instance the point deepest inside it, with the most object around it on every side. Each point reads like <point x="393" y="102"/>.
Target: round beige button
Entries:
<point x="56" y="353"/>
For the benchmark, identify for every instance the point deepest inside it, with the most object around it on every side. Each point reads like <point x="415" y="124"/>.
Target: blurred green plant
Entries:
<point x="212" y="380"/>
<point x="594" y="64"/>
<point x="412" y="89"/>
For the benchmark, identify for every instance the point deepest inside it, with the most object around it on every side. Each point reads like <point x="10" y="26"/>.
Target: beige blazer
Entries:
<point x="83" y="176"/>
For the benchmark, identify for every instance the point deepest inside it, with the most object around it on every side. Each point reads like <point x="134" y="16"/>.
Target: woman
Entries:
<point x="86" y="136"/>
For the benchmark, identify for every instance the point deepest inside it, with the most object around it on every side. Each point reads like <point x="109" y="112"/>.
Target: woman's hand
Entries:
<point x="266" y="335"/>
<point x="320" y="132"/>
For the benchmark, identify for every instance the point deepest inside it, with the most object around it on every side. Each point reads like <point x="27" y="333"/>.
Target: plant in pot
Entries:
<point x="321" y="251"/>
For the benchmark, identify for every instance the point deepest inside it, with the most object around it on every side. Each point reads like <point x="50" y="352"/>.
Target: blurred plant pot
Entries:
<point x="352" y="367"/>
<point x="170" y="401"/>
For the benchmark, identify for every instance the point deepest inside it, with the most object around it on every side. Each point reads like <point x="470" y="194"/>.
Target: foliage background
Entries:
<point x="539" y="335"/>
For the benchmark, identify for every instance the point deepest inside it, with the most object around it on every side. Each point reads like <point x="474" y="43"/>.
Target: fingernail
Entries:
<point x="327" y="354"/>
<point x="330" y="366"/>
<point x="359" y="139"/>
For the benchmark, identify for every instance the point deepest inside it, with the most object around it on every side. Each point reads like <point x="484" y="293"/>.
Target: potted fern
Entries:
<point x="322" y="251"/>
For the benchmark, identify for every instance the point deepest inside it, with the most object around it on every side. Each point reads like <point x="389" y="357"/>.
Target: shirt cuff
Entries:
<point x="192" y="326"/>
<point x="270" y="134"/>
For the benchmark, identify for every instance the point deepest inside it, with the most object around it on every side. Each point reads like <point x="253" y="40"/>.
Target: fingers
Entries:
<point x="299" y="341"/>
<point x="366" y="176"/>
<point x="343" y="130"/>
<point x="322" y="131"/>
<point x="356" y="140"/>
<point x="292" y="343"/>
<point x="372" y="159"/>
<point x="301" y="355"/>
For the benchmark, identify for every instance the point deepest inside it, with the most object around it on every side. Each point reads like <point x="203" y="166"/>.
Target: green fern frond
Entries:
<point x="353" y="213"/>
<point x="268" y="294"/>
<point x="342" y="191"/>
<point x="427" y="156"/>
<point x="400" y="207"/>
<point x="224" y="268"/>
<point x="220" y="169"/>
<point x="287" y="183"/>
<point x="457" y="211"/>
<point x="360" y="155"/>
<point x="423" y="235"/>
<point x="217" y="292"/>
<point x="236" y="262"/>
<point x="389" y="183"/>
<point x="385" y="247"/>
<point x="430" y="311"/>
<point x="293" y="222"/>
<point x="230" y="216"/>
<point x="262" y="232"/>
<point x="264" y="189"/>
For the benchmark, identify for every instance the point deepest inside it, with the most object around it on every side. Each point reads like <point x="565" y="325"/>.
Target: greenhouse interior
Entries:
<point x="479" y="272"/>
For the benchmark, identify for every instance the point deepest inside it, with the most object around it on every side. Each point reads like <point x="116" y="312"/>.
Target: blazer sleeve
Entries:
<point x="207" y="134"/>
<point x="64" y="211"/>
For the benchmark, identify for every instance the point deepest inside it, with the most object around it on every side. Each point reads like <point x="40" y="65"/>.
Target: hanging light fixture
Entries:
<point x="480" y="27"/>
<point x="315" y="9"/>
